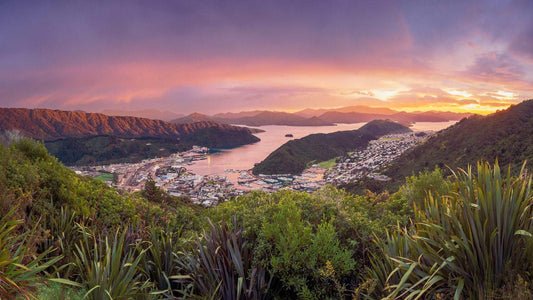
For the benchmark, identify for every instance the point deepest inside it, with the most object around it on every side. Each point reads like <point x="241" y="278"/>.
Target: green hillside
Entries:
<point x="105" y="149"/>
<point x="36" y="183"/>
<point x="111" y="149"/>
<point x="295" y="155"/>
<point x="506" y="135"/>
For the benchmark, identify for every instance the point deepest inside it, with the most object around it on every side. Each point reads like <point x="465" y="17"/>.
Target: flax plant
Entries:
<point x="107" y="269"/>
<point x="222" y="266"/>
<point x="20" y="268"/>
<point x="469" y="243"/>
<point x="162" y="263"/>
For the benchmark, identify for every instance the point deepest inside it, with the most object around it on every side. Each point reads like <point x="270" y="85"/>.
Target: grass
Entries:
<point x="55" y="291"/>
<point x="105" y="177"/>
<point x="328" y="164"/>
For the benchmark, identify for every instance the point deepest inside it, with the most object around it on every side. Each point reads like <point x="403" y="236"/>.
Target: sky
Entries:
<point x="217" y="56"/>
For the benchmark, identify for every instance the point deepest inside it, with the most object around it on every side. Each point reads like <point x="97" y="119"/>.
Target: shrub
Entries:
<point x="330" y="215"/>
<point x="298" y="256"/>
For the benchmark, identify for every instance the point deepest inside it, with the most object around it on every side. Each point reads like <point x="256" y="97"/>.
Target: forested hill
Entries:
<point x="294" y="156"/>
<point x="506" y="135"/>
<point x="378" y="128"/>
<point x="47" y="124"/>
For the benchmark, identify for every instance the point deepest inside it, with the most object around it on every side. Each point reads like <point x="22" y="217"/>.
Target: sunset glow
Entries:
<point x="219" y="56"/>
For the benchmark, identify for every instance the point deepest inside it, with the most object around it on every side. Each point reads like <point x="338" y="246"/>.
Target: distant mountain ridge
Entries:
<point x="294" y="156"/>
<point x="259" y="119"/>
<point x="323" y="117"/>
<point x="313" y="112"/>
<point x="193" y="118"/>
<point x="143" y="113"/>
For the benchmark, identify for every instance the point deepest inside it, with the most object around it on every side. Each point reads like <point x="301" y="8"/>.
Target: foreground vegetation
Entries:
<point x="466" y="236"/>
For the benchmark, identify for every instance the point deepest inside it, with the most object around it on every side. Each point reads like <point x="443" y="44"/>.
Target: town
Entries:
<point x="173" y="173"/>
<point x="367" y="163"/>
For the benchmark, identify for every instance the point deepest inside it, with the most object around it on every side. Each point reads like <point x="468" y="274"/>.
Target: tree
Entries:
<point x="152" y="192"/>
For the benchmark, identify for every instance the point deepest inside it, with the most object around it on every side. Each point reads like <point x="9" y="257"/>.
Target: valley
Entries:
<point x="186" y="174"/>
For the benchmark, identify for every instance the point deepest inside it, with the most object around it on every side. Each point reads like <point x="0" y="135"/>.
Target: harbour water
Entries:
<point x="244" y="157"/>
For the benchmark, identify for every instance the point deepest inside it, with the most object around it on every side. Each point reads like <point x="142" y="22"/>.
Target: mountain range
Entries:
<point x="144" y="113"/>
<point x="323" y="117"/>
<point x="311" y="112"/>
<point x="259" y="118"/>
<point x="46" y="124"/>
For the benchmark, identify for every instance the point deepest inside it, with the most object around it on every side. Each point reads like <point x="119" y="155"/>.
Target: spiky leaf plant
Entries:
<point x="161" y="262"/>
<point x="106" y="270"/>
<point x="469" y="243"/>
<point x="20" y="269"/>
<point x="222" y="267"/>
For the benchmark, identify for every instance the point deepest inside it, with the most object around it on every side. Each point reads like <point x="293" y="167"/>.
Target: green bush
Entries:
<point x="339" y="222"/>
<point x="298" y="255"/>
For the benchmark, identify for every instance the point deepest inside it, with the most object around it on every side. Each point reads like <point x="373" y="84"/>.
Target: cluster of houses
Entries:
<point x="367" y="163"/>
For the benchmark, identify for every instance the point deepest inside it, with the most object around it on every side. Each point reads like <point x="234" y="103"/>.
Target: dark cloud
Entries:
<point x="50" y="33"/>
<point x="493" y="67"/>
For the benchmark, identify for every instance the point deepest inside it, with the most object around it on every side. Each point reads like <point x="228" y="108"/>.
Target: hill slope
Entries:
<point x="105" y="149"/>
<point x="506" y="135"/>
<point x="46" y="124"/>
<point x="90" y="138"/>
<point x="294" y="156"/>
